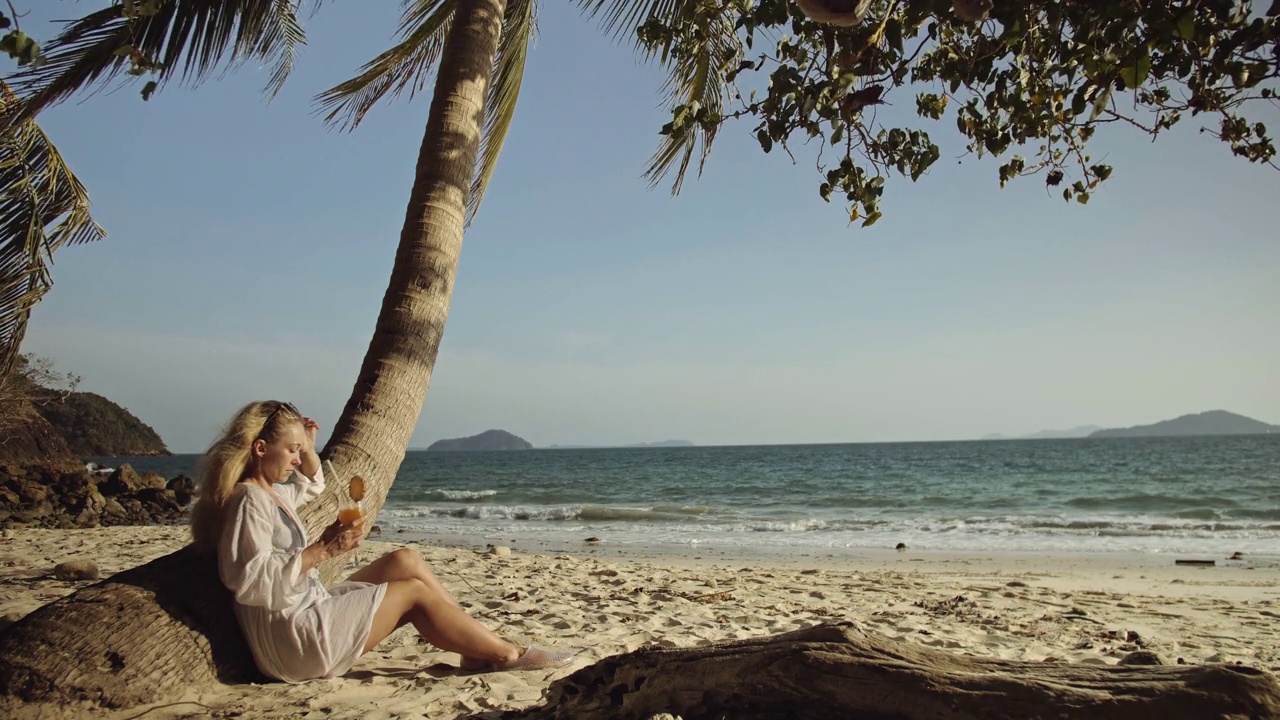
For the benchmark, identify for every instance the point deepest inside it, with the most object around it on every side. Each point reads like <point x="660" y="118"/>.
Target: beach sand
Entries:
<point x="1077" y="609"/>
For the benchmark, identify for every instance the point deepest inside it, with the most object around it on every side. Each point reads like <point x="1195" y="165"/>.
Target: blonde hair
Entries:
<point x="227" y="461"/>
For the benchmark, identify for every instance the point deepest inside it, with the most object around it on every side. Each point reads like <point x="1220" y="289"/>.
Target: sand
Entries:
<point x="1078" y="609"/>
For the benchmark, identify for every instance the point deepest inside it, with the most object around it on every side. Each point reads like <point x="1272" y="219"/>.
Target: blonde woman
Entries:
<point x="252" y="482"/>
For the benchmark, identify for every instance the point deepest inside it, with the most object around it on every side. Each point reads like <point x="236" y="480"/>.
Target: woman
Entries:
<point x="252" y="480"/>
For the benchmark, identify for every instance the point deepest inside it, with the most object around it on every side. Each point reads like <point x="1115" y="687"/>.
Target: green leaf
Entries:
<point x="123" y="51"/>
<point x="893" y="34"/>
<point x="1134" y="75"/>
<point x="872" y="218"/>
<point x="148" y="89"/>
<point x="1186" y="29"/>
<point x="1079" y="101"/>
<point x="766" y="142"/>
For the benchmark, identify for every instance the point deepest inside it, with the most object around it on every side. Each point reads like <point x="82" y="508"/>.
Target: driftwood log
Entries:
<point x="838" y="671"/>
<point x="141" y="636"/>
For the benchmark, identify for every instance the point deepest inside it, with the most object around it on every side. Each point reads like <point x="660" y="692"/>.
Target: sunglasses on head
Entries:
<point x="287" y="407"/>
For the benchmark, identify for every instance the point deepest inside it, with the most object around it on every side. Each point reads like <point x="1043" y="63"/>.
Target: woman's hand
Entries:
<point x="339" y="538"/>
<point x="309" y="428"/>
<point x="334" y="541"/>
<point x="310" y="460"/>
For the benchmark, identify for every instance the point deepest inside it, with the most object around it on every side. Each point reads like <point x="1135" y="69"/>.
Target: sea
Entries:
<point x="1210" y="496"/>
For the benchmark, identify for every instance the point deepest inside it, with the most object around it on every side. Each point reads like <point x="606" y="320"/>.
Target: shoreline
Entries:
<point x="836" y="557"/>
<point x="604" y="601"/>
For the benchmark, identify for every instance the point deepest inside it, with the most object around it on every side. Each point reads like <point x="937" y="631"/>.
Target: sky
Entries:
<point x="250" y="247"/>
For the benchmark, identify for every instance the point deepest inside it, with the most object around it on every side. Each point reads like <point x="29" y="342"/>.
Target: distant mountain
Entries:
<point x="93" y="426"/>
<point x="1213" y="422"/>
<point x="487" y="440"/>
<point x="658" y="444"/>
<point x="1075" y="432"/>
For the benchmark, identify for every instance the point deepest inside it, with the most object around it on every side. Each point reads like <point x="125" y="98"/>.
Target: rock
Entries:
<point x="124" y="481"/>
<point x="499" y="550"/>
<point x="184" y="489"/>
<point x="134" y="512"/>
<point x="158" y="499"/>
<point x="85" y="518"/>
<point x="900" y="547"/>
<point x="76" y="570"/>
<point x="9" y="618"/>
<point x="1141" y="657"/>
<point x="30" y="491"/>
<point x="1015" y="583"/>
<point x="9" y="498"/>
<point x="112" y="509"/>
<point x="33" y="512"/>
<point x="1236" y="556"/>
<point x="593" y="539"/>
<point x="375" y="531"/>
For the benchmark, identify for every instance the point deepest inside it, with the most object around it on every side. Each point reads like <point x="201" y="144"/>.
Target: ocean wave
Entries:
<point x="1150" y="503"/>
<point x="598" y="513"/>
<point x="462" y="494"/>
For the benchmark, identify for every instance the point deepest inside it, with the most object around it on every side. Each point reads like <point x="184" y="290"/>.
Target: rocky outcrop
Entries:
<point x="28" y="439"/>
<point x="94" y="426"/>
<point x="36" y="496"/>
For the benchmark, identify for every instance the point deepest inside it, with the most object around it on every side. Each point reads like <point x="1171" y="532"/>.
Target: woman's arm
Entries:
<point x="310" y="460"/>
<point x="307" y="481"/>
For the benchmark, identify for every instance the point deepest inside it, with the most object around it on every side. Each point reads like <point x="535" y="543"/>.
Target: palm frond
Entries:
<point x="190" y="39"/>
<point x="408" y="65"/>
<point x="621" y="17"/>
<point x="43" y="206"/>
<point x="694" y="76"/>
<point x="694" y="72"/>
<point x="519" y="29"/>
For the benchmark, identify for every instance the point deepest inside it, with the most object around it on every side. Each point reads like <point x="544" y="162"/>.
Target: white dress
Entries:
<point x="296" y="628"/>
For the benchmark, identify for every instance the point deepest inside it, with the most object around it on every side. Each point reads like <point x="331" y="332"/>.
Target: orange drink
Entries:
<point x="350" y="515"/>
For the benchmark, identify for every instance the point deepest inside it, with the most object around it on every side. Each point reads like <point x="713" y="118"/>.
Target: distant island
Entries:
<point x="487" y="440"/>
<point x="658" y="444"/>
<point x="1075" y="432"/>
<point x="1213" y="422"/>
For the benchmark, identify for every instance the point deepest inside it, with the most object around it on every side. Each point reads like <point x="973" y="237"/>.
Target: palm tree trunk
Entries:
<point x="166" y="627"/>
<point x="372" y="434"/>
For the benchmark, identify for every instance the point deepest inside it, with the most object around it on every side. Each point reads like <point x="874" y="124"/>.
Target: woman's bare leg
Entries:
<point x="440" y="621"/>
<point x="402" y="564"/>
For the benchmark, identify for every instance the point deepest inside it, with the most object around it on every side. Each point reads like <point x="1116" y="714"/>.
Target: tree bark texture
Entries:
<point x="372" y="434"/>
<point x="839" y="671"/>
<point x="140" y="636"/>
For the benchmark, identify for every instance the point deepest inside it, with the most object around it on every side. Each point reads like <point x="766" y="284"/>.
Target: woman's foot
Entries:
<point x="473" y="664"/>
<point x="536" y="658"/>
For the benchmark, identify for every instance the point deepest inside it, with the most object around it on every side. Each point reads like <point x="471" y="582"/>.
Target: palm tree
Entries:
<point x="373" y="432"/>
<point x="477" y="49"/>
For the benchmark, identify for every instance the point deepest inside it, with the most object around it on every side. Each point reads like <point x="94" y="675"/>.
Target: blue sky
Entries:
<point x="250" y="246"/>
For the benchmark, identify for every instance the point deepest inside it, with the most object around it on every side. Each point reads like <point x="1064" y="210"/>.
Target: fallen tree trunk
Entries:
<point x="838" y="671"/>
<point x="141" y="636"/>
